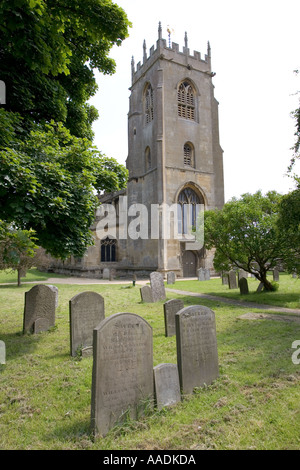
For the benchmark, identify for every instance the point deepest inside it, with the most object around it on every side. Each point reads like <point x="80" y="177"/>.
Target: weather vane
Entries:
<point x="170" y="31"/>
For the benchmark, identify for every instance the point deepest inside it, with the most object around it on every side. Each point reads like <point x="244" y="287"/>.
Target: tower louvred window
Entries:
<point x="186" y="101"/>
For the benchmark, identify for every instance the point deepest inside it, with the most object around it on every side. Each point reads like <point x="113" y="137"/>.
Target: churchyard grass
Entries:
<point x="45" y="394"/>
<point x="31" y="276"/>
<point x="287" y="295"/>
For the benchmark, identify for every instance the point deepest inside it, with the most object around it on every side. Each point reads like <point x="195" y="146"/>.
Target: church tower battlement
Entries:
<point x="171" y="52"/>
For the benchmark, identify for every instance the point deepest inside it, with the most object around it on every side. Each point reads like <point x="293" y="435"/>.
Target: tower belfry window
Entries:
<point x="149" y="104"/>
<point x="186" y="101"/>
<point x="188" y="155"/>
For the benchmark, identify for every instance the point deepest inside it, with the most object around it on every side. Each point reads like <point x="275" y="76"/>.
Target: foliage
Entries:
<point x="48" y="184"/>
<point x="49" y="171"/>
<point x="17" y="249"/>
<point x="244" y="233"/>
<point x="289" y="223"/>
<point x="48" y="51"/>
<point x="296" y="146"/>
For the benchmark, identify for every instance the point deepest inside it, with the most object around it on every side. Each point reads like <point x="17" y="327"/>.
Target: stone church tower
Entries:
<point x="174" y="154"/>
<point x="174" y="158"/>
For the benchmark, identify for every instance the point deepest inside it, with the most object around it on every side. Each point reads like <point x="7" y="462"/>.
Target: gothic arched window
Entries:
<point x="149" y="112"/>
<point x="148" y="163"/>
<point x="188" y="155"/>
<point x="186" y="101"/>
<point x="108" y="250"/>
<point x="188" y="209"/>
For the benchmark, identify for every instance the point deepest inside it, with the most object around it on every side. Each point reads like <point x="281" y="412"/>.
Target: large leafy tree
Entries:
<point x="245" y="235"/>
<point x="49" y="170"/>
<point x="49" y="182"/>
<point x="48" y="52"/>
<point x="289" y="216"/>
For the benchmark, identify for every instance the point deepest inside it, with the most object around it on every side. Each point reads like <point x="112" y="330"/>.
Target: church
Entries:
<point x="175" y="165"/>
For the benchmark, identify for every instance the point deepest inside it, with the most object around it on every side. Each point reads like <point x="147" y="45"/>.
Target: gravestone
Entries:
<point x="39" y="309"/>
<point x="146" y="294"/>
<point x="225" y="278"/>
<point x="201" y="274"/>
<point x="171" y="307"/>
<point x="275" y="275"/>
<point x="157" y="286"/>
<point x="166" y="385"/>
<point x="86" y="311"/>
<point x="171" y="277"/>
<point x="232" y="280"/>
<point x="206" y="274"/>
<point x="55" y="290"/>
<point x="2" y="352"/>
<point x="122" y="377"/>
<point x="197" y="352"/>
<point x="242" y="273"/>
<point x="260" y="287"/>
<point x="243" y="285"/>
<point x="106" y="273"/>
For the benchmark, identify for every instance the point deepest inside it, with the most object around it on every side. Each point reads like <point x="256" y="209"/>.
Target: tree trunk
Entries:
<point x="19" y="277"/>
<point x="262" y="277"/>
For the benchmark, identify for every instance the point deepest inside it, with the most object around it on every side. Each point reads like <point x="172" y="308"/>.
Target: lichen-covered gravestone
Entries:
<point x="197" y="352"/>
<point x="171" y="277"/>
<point x="232" y="280"/>
<point x="122" y="377"/>
<point x="157" y="286"/>
<point x="166" y="384"/>
<point x="146" y="294"/>
<point x="39" y="309"/>
<point x="86" y="311"/>
<point x="171" y="307"/>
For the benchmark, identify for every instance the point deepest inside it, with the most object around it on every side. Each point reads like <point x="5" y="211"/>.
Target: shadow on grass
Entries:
<point x="19" y="344"/>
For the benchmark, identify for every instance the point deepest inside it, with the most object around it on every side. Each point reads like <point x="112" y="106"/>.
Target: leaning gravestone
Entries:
<point x="171" y="307"/>
<point x="243" y="285"/>
<point x="166" y="385"/>
<point x="39" y="310"/>
<point x="157" y="286"/>
<point x="275" y="275"/>
<point x="86" y="311"/>
<point x="171" y="277"/>
<point x="232" y="280"/>
<point x="122" y="378"/>
<point x="2" y="352"/>
<point x="146" y="294"/>
<point x="197" y="352"/>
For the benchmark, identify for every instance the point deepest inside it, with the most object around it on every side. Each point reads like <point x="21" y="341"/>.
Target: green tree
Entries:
<point x="17" y="249"/>
<point x="49" y="170"/>
<point x="49" y="50"/>
<point x="245" y="235"/>
<point x="289" y="224"/>
<point x="48" y="183"/>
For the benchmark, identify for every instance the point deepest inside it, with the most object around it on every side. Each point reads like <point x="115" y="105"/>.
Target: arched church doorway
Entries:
<point x="189" y="264"/>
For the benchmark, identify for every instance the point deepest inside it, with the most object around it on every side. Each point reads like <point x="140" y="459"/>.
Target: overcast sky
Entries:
<point x="255" y="49"/>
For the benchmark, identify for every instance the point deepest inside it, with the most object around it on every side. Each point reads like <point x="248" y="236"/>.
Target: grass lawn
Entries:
<point x="32" y="275"/>
<point x="45" y="394"/>
<point x="288" y="294"/>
